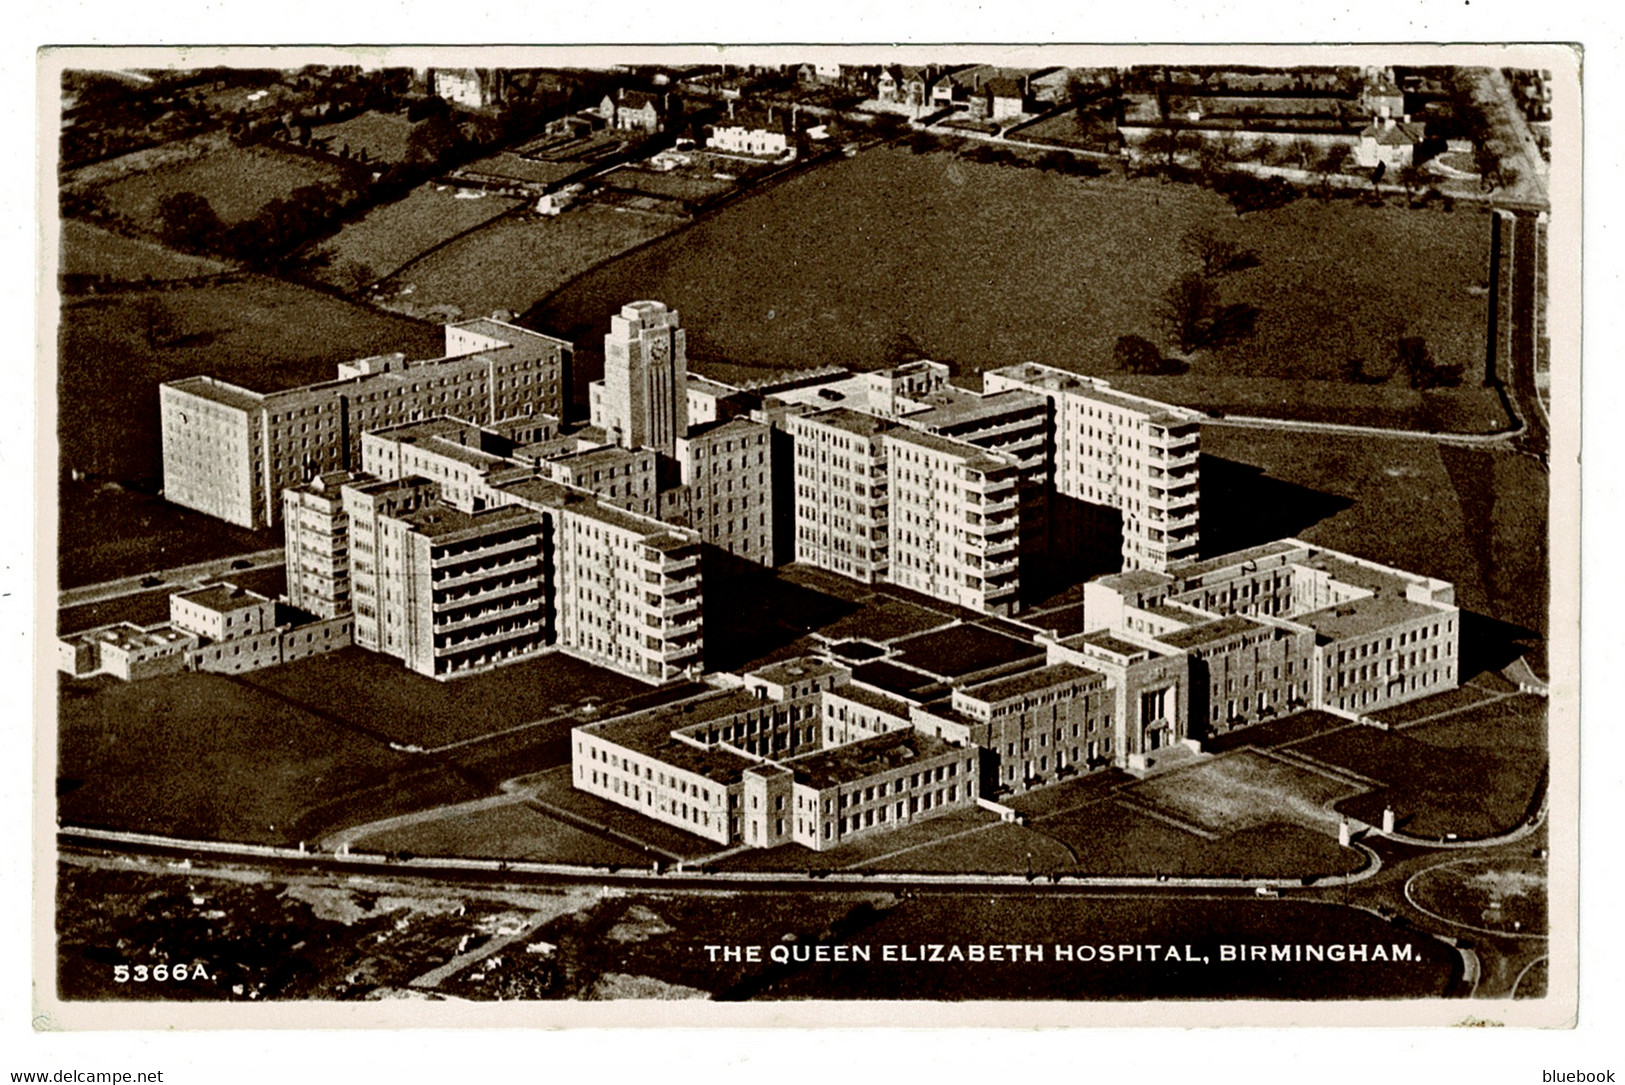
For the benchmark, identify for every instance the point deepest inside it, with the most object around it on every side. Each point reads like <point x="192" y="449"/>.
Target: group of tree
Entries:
<point x="1425" y="372"/>
<point x="189" y="222"/>
<point x="1192" y="312"/>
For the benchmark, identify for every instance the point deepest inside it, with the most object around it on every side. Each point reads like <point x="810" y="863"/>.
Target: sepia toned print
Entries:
<point x="1038" y="532"/>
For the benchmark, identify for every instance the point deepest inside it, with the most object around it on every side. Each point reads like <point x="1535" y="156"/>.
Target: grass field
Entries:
<point x="879" y="852"/>
<point x="1393" y="405"/>
<point x="199" y="755"/>
<point x="377" y="693"/>
<point x="512" y="831"/>
<point x="677" y="185"/>
<point x="1477" y="519"/>
<point x="1481" y="787"/>
<point x="92" y="251"/>
<point x="382" y="135"/>
<point x="513" y="261"/>
<point x="237" y="182"/>
<point x="1243" y="791"/>
<point x="1448" y="701"/>
<point x="1490" y="894"/>
<point x="845" y="260"/>
<point x="261" y="333"/>
<point x="395" y="234"/>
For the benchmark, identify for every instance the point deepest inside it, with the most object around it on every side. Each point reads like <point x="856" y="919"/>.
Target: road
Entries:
<point x="183" y="576"/>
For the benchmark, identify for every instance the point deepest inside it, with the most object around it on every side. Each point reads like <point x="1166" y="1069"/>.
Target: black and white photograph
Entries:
<point x="1008" y="533"/>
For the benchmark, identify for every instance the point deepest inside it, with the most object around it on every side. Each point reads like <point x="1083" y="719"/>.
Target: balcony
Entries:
<point x="677" y="630"/>
<point x="451" y="601"/>
<point x="447" y="624"/>
<point x="447" y="558"/>
<point x="447" y="645"/>
<point x="446" y="583"/>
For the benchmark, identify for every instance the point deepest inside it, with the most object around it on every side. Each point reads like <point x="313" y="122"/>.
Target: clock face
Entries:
<point x="659" y="349"/>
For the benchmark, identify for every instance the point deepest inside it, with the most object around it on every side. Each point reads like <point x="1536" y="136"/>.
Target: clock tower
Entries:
<point x="646" y="378"/>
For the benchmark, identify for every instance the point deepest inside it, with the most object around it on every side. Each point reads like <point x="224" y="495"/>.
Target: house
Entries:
<point x="1388" y="142"/>
<point x="473" y="88"/>
<point x="631" y="110"/>
<point x="1006" y="99"/>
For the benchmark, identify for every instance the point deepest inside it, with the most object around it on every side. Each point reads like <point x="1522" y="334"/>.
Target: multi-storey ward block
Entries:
<point x="230" y="452"/>
<point x="1124" y="452"/>
<point x="841" y="492"/>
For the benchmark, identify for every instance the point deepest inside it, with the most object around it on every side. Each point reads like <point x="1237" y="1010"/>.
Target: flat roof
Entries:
<point x="845" y="418"/>
<point x="963" y="406"/>
<point x="219" y="391"/>
<point x="1016" y="685"/>
<point x="1060" y="380"/>
<point x="1107" y="641"/>
<point x="1209" y="632"/>
<point x="1201" y="567"/>
<point x="128" y="635"/>
<point x="508" y="333"/>
<point x="1363" y="617"/>
<point x="795" y="670"/>
<point x="978" y="459"/>
<point x="223" y="598"/>
<point x="650" y="733"/>
<point x="1134" y="579"/>
<point x="436" y="520"/>
<point x="865" y="758"/>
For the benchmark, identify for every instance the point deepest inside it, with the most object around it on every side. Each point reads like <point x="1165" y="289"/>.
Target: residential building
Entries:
<point x="1389" y="143"/>
<point x="760" y="138"/>
<point x="230" y="452"/>
<point x="632" y="110"/>
<point x="473" y="88"/>
<point x="1124" y="452"/>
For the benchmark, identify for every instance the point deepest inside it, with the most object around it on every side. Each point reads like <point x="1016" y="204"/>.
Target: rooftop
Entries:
<point x="844" y="418"/>
<point x="872" y="698"/>
<point x="960" y="407"/>
<point x="218" y="391"/>
<point x="223" y="598"/>
<point x="1106" y="641"/>
<point x="1191" y="569"/>
<point x="129" y="636"/>
<point x="1059" y="380"/>
<point x="1211" y="632"/>
<point x="1017" y="685"/>
<point x="438" y="521"/>
<point x="1363" y="617"/>
<point x="1130" y="580"/>
<point x="867" y="757"/>
<point x="795" y="670"/>
<point x="975" y="459"/>
<point x="650" y="733"/>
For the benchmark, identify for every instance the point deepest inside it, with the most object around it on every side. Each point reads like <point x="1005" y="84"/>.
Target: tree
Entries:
<point x="1417" y="360"/>
<point x="188" y="221"/>
<point x="1302" y="152"/>
<point x="1330" y="165"/>
<point x="158" y="324"/>
<point x="1186" y="309"/>
<point x="355" y="277"/>
<point x="1488" y="163"/>
<point x="1218" y="255"/>
<point x="1136" y="354"/>
<point x="1411" y="178"/>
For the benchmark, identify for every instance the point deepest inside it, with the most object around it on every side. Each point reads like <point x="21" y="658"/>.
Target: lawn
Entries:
<point x="1513" y="725"/>
<point x="554" y="789"/>
<point x="513" y="831"/>
<point x="692" y="185"/>
<point x="1271" y="733"/>
<point x="869" y="853"/>
<point x="382" y="135"/>
<point x="1478" y="788"/>
<point x="1492" y="894"/>
<point x="985" y="266"/>
<point x="1448" y="701"/>
<point x="237" y="182"/>
<point x="259" y="332"/>
<point x="93" y="252"/>
<point x="198" y="755"/>
<point x="108" y="532"/>
<point x="1476" y="519"/>
<point x="1243" y="790"/>
<point x="512" y="262"/>
<point x="394" y="234"/>
<point x="376" y="692"/>
<point x="1391" y="405"/>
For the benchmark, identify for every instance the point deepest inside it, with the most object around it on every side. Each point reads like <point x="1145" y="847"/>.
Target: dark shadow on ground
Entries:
<point x="1085" y="541"/>
<point x="1242" y="507"/>
<point x="750" y="612"/>
<point x="1488" y="644"/>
